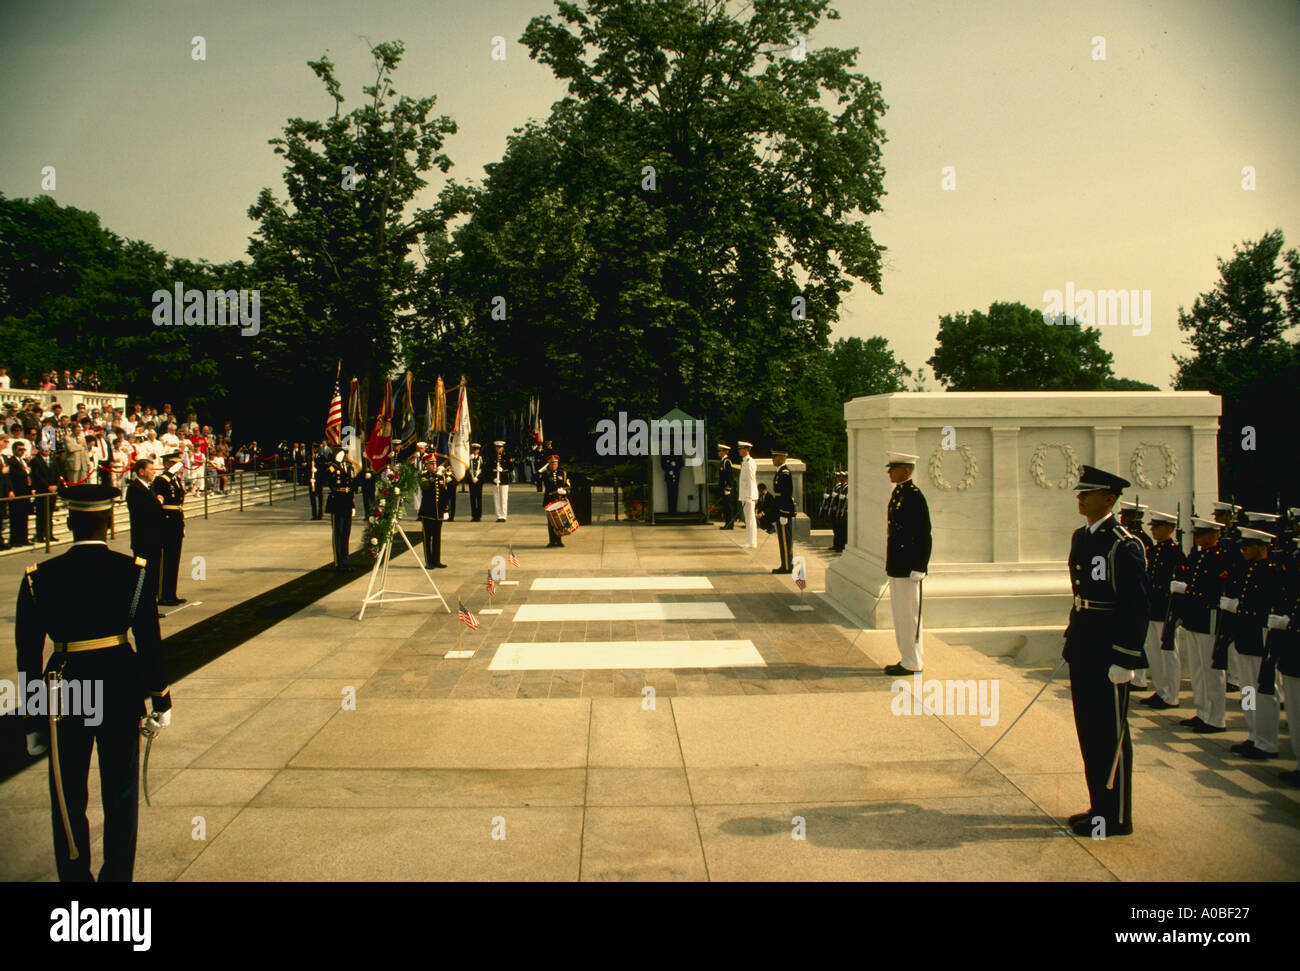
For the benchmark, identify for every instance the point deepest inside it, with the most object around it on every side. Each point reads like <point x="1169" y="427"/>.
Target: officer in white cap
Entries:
<point x="499" y="476"/>
<point x="748" y="493"/>
<point x="1196" y="593"/>
<point x="907" y="558"/>
<point x="1254" y="592"/>
<point x="1165" y="562"/>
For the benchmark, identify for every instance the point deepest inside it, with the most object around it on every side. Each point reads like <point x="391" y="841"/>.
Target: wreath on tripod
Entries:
<point x="392" y="488"/>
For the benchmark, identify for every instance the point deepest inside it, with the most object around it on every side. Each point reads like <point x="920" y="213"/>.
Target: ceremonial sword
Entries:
<point x="150" y="729"/>
<point x="1054" y="673"/>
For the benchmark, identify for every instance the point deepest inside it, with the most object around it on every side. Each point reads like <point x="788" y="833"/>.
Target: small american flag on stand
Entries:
<point x="800" y="575"/>
<point x="466" y="617"/>
<point x="514" y="560"/>
<point x="491" y="586"/>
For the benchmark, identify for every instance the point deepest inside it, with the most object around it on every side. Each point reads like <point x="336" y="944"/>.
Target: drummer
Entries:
<point x="555" y="487"/>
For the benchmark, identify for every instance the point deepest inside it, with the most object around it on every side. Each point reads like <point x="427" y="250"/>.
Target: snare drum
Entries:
<point x="561" y="516"/>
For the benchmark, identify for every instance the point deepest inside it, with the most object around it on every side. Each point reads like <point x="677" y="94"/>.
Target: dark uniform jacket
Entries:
<point x="502" y="477"/>
<point x="1204" y="572"/>
<point x="477" y="469"/>
<point x="1165" y="563"/>
<point x="1107" y="569"/>
<point x="909" y="542"/>
<point x="173" y="494"/>
<point x="1258" y="586"/>
<point x="337" y="478"/>
<point x="434" y="495"/>
<point x="672" y="466"/>
<point x="146" y="516"/>
<point x="112" y="603"/>
<point x="783" y="490"/>
<point x="726" y="476"/>
<point x="552" y="483"/>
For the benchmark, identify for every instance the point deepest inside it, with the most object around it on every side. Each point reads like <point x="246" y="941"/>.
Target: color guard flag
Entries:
<point x="491" y="585"/>
<point x="334" y="417"/>
<point x="514" y="560"/>
<point x="466" y="617"/>
<point x="460" y="435"/>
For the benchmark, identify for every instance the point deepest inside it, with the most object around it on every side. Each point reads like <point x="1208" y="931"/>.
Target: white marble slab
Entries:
<point x="629" y="655"/>
<point x="622" y="583"/>
<point x="710" y="610"/>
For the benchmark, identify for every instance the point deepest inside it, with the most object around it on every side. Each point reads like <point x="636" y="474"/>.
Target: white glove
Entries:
<point x="445" y="515"/>
<point x="176" y="467"/>
<point x="1228" y="604"/>
<point x="1177" y="586"/>
<point x="1119" y="675"/>
<point x="917" y="575"/>
<point x="785" y="520"/>
<point x="340" y="456"/>
<point x="561" y="492"/>
<point x="1278" y="621"/>
<point x="36" y="744"/>
<point x="159" y="721"/>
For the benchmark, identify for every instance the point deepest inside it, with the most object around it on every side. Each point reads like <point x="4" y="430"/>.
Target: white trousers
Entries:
<point x="1261" y="722"/>
<point x="1209" y="687"/>
<point x="905" y="601"/>
<point x="501" y="499"/>
<point x="1166" y="666"/>
<point x="751" y="522"/>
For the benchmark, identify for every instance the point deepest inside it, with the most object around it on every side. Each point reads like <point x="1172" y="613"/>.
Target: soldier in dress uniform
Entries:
<point x="339" y="483"/>
<point x="475" y="475"/>
<point x="726" y="482"/>
<point x="1196" y="591"/>
<point x="145" y="509"/>
<point x="1226" y="513"/>
<point x="91" y="648"/>
<point x="840" y="513"/>
<point x="1103" y="646"/>
<point x="748" y="494"/>
<point x="433" y="504"/>
<point x="1165" y="562"/>
<point x="783" y="495"/>
<point x="555" y="486"/>
<point x="1253" y="591"/>
<point x="319" y="461"/>
<point x="168" y="487"/>
<point x="499" y="476"/>
<point x="1131" y="515"/>
<point x="907" y="559"/>
<point x="1284" y="645"/>
<point x="672" y="466"/>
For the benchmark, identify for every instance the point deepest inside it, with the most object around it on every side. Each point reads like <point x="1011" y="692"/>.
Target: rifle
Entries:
<point x="1171" y="621"/>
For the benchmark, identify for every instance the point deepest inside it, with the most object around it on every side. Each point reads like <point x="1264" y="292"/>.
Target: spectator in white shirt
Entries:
<point x="4" y="378"/>
<point x="170" y="440"/>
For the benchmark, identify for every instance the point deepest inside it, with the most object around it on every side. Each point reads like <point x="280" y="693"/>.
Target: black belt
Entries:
<point x="1080" y="603"/>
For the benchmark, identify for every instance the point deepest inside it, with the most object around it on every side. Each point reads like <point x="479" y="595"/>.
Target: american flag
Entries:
<point x="800" y="574"/>
<point x="514" y="560"/>
<point x="466" y="617"/>
<point x="334" y="419"/>
<point x="491" y="586"/>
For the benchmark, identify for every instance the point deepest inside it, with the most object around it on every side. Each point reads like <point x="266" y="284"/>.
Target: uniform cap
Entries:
<point x="552" y="458"/>
<point x="1157" y="518"/>
<point x="1131" y="505"/>
<point x="1226" y="507"/>
<point x="173" y="454"/>
<point x="498" y="442"/>
<point x="1200" y="525"/>
<point x="724" y="447"/>
<point x="1095" y="480"/>
<point x="1260" y="517"/>
<point x="475" y="445"/>
<point x="89" y="498"/>
<point x="744" y="444"/>
<point x="900" y="458"/>
<point x="1255" y="536"/>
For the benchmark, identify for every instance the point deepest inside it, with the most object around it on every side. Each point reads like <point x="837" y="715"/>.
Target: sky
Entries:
<point x="1070" y="170"/>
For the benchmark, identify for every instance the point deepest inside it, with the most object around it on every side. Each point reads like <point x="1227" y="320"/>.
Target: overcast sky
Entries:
<point x="1117" y="173"/>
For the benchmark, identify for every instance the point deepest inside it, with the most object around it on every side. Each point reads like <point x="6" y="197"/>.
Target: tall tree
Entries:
<point x="867" y="367"/>
<point x="1242" y="334"/>
<point x="682" y="226"/>
<point x="343" y="237"/>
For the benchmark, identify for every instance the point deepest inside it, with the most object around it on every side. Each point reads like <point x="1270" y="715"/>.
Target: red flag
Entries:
<point x="381" y="435"/>
<point x="491" y="586"/>
<point x="514" y="560"/>
<point x="466" y="617"/>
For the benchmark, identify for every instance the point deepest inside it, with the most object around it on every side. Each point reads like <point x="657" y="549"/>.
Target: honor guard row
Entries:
<point x="835" y="508"/>
<point x="92" y="651"/>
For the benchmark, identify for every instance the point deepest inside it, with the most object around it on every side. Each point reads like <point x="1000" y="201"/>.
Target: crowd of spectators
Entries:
<point x="67" y="380"/>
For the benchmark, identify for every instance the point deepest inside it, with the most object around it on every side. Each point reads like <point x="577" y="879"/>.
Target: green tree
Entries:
<point x="1242" y="337"/>
<point x="1011" y="348"/>
<point x="343" y="237"/>
<point x="867" y="367"/>
<point x="650" y="238"/>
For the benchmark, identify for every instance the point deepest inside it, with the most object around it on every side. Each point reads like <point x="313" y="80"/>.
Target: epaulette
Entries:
<point x="140" y="561"/>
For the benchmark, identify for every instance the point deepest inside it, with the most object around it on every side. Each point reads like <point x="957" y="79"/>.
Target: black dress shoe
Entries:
<point x="1078" y="818"/>
<point x="179" y="600"/>
<point x="780" y="570"/>
<point x="440" y="566"/>
<point x="1291" y="778"/>
<point x="1233" y="687"/>
<point x="1204" y="728"/>
<point x="1084" y="828"/>
<point x="1155" y="701"/>
<point x="501" y="520"/>
<point x="1252" y="752"/>
<point x="898" y="671"/>
<point x="1193" y="722"/>
<point x="1242" y="746"/>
